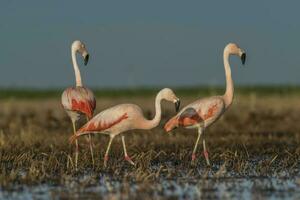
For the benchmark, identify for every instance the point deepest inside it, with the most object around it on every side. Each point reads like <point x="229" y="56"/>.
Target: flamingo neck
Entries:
<point x="228" y="96"/>
<point x="149" y="124"/>
<point x="76" y="69"/>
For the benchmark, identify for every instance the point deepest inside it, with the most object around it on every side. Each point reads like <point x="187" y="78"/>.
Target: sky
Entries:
<point x="148" y="43"/>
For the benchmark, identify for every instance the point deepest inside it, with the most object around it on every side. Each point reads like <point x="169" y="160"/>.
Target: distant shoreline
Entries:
<point x="282" y="90"/>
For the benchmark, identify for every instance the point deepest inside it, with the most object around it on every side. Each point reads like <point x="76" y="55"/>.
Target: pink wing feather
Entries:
<point x="79" y="99"/>
<point x="105" y="121"/>
<point x="203" y="110"/>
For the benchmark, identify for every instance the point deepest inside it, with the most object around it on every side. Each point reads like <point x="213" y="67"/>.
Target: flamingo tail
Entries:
<point x="75" y="136"/>
<point x="171" y="124"/>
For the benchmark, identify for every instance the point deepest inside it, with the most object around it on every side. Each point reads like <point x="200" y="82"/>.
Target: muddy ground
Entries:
<point x="254" y="150"/>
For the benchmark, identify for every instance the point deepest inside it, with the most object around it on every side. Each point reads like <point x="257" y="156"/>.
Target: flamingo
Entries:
<point x="204" y="112"/>
<point x="79" y="101"/>
<point x="124" y="117"/>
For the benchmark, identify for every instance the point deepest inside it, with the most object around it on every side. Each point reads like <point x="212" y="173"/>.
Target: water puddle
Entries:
<point x="224" y="188"/>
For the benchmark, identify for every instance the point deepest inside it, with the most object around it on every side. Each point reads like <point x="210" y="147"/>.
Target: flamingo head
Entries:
<point x="79" y="47"/>
<point x="234" y="49"/>
<point x="168" y="95"/>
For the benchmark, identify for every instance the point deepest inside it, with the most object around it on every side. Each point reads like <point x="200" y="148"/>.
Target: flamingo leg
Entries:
<point x="91" y="145"/>
<point x="205" y="152"/>
<point x="77" y="147"/>
<point x="125" y="151"/>
<point x="196" y="144"/>
<point x="107" y="151"/>
<point x="91" y="148"/>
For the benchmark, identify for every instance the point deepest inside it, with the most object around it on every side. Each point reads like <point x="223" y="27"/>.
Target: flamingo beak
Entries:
<point x="177" y="105"/>
<point x="86" y="59"/>
<point x="243" y="58"/>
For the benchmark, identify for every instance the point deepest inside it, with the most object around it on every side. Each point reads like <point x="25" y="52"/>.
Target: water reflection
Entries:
<point x="225" y="188"/>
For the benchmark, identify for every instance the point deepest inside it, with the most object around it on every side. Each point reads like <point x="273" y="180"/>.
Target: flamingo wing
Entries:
<point x="79" y="99"/>
<point x="105" y="120"/>
<point x="199" y="112"/>
<point x="189" y="117"/>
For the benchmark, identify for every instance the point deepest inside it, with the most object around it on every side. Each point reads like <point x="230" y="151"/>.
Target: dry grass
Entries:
<point x="256" y="137"/>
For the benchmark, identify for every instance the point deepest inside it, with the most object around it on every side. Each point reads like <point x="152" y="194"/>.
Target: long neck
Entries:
<point x="76" y="69"/>
<point x="149" y="124"/>
<point x="228" y="96"/>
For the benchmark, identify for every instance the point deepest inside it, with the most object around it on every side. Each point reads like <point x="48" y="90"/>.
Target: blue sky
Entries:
<point x="148" y="43"/>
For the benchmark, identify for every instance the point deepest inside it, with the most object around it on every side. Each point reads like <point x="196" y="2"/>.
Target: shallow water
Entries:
<point x="224" y="188"/>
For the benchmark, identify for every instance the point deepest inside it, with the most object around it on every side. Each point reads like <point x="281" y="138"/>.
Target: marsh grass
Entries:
<point x="258" y="137"/>
<point x="277" y="90"/>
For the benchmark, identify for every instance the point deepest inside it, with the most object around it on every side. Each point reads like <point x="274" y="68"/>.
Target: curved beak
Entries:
<point x="86" y="59"/>
<point x="177" y="105"/>
<point x="243" y="58"/>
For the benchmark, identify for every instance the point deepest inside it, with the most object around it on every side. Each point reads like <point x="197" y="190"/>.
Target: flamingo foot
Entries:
<point x="129" y="160"/>
<point x="193" y="159"/>
<point x="205" y="153"/>
<point x="105" y="160"/>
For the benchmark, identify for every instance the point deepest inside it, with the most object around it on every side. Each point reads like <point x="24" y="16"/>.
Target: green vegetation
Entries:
<point x="19" y="93"/>
<point x="258" y="138"/>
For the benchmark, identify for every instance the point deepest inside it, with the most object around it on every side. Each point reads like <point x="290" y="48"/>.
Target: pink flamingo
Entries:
<point x="204" y="112"/>
<point x="79" y="101"/>
<point x="125" y="117"/>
